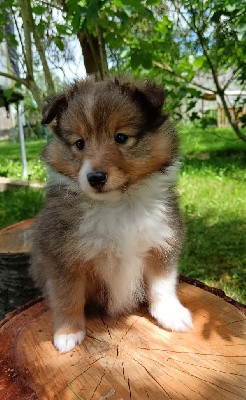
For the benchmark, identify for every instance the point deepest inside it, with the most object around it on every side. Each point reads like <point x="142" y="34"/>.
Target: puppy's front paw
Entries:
<point x="172" y="315"/>
<point x="66" y="342"/>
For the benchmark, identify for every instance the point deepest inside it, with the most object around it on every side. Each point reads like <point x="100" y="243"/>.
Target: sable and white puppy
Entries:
<point x="110" y="230"/>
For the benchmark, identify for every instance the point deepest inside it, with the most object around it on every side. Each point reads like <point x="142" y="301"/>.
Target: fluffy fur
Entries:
<point x="115" y="244"/>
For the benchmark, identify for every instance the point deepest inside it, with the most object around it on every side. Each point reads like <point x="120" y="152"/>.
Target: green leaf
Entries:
<point x="231" y="7"/>
<point x="199" y="62"/>
<point x="38" y="10"/>
<point x="152" y="2"/>
<point x="61" y="29"/>
<point x="146" y="60"/>
<point x="191" y="105"/>
<point x="216" y="16"/>
<point x="6" y="4"/>
<point x="135" y="60"/>
<point x="12" y="39"/>
<point x="41" y="28"/>
<point x="118" y="3"/>
<point x="59" y="43"/>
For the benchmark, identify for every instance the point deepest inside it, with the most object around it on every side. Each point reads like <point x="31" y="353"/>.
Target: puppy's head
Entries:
<point x="109" y="135"/>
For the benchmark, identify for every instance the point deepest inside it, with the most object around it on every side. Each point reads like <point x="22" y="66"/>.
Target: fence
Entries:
<point x="222" y="119"/>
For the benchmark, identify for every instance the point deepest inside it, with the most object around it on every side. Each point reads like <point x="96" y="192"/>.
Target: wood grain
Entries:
<point x="128" y="358"/>
<point x="16" y="238"/>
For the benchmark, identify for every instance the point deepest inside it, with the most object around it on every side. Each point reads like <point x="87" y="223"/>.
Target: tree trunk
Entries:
<point x="233" y="124"/>
<point x="93" y="49"/>
<point x="33" y="87"/>
<point x="27" y="27"/>
<point x="27" y="37"/>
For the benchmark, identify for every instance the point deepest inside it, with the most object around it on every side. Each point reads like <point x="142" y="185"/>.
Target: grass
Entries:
<point x="213" y="196"/>
<point x="10" y="160"/>
<point x="17" y="205"/>
<point x="213" y="201"/>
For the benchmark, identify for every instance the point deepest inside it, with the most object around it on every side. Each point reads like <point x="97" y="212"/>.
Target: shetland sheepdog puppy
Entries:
<point x="110" y="231"/>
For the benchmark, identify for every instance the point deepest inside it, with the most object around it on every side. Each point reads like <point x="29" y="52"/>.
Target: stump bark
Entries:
<point x="16" y="286"/>
<point x="131" y="357"/>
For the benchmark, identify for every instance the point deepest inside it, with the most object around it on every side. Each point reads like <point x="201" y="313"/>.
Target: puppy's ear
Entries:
<point x="154" y="93"/>
<point x="54" y="108"/>
<point x="148" y="94"/>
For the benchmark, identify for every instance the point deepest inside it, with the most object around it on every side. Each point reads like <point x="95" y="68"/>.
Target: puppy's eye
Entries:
<point x="121" y="138"/>
<point x="80" y="144"/>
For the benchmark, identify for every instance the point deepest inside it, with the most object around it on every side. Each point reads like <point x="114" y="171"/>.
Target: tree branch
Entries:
<point x="38" y="44"/>
<point x="181" y="78"/>
<point x="27" y="37"/>
<point x="22" y="81"/>
<point x="233" y="77"/>
<point x="46" y="3"/>
<point x="19" y="35"/>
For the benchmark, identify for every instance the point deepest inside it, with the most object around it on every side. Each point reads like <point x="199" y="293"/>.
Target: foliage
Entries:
<point x="41" y="41"/>
<point x="173" y="42"/>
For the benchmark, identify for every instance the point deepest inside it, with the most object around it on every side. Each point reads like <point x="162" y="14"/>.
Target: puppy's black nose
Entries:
<point x="97" y="178"/>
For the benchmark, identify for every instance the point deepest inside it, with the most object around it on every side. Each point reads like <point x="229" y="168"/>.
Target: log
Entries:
<point x="15" y="239"/>
<point x="16" y="286"/>
<point x="127" y="358"/>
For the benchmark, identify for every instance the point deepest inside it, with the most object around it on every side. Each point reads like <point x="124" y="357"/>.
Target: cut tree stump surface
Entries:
<point x="16" y="239"/>
<point x="128" y="358"/>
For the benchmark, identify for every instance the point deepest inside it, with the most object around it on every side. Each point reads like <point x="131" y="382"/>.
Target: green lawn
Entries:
<point x="212" y="184"/>
<point x="10" y="160"/>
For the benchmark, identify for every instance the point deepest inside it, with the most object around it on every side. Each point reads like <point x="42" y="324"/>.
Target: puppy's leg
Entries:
<point x="67" y="299"/>
<point x="164" y="304"/>
<point x="125" y="285"/>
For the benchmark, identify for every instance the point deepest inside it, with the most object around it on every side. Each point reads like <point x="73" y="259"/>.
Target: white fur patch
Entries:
<point x="124" y="278"/>
<point x="125" y="230"/>
<point x="165" y="307"/>
<point x="113" y="195"/>
<point x="65" y="343"/>
<point x="132" y="225"/>
<point x="172" y="315"/>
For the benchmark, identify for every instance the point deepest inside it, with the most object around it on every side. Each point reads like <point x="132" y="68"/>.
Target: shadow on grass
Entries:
<point x="227" y="160"/>
<point x="216" y="253"/>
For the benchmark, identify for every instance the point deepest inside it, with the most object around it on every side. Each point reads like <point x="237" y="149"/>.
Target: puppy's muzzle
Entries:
<point x="97" y="179"/>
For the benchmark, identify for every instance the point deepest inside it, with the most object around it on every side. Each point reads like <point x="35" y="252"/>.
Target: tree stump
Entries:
<point x="127" y="358"/>
<point x="16" y="286"/>
<point x="131" y="357"/>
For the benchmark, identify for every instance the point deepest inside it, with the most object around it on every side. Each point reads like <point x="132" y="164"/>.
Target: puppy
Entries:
<point x="110" y="231"/>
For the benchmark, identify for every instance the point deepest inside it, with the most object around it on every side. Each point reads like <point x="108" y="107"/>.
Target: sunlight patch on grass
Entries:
<point x="214" y="209"/>
<point x="10" y="160"/>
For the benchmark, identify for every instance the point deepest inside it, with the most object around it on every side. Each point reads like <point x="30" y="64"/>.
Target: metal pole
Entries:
<point x="13" y="128"/>
<point x="22" y="140"/>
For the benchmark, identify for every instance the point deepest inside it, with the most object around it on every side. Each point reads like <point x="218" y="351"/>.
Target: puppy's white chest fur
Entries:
<point x="131" y="225"/>
<point x="117" y="235"/>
